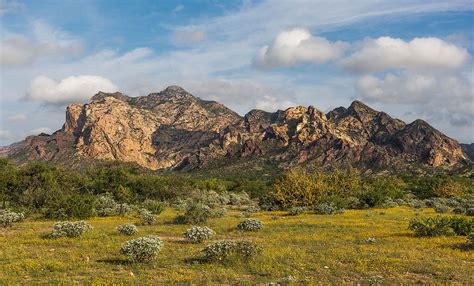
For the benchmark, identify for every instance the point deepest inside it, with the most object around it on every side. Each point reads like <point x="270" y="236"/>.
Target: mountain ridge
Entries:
<point x="175" y="130"/>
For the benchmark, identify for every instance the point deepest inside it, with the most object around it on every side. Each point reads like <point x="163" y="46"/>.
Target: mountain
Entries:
<point x="175" y="130"/>
<point x="469" y="150"/>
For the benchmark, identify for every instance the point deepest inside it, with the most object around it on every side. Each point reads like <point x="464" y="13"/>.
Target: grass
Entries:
<point x="310" y="248"/>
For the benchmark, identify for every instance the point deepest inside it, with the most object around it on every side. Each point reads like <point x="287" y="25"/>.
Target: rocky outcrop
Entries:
<point x="173" y="129"/>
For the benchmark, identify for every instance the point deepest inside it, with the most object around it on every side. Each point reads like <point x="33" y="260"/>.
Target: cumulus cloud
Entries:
<point x="71" y="89"/>
<point x="296" y="46"/>
<point x="376" y="55"/>
<point x="17" y="118"/>
<point x="17" y="50"/>
<point x="447" y="96"/>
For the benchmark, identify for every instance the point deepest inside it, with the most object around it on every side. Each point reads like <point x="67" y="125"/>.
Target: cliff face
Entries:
<point x="174" y="130"/>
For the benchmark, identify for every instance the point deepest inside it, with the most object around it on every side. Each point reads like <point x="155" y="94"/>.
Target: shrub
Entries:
<point x="220" y="212"/>
<point x="470" y="212"/>
<point x="389" y="203"/>
<point x="415" y="203"/>
<point x="247" y="249"/>
<point x="461" y="226"/>
<point x="432" y="226"/>
<point x="79" y="206"/>
<point x="448" y="189"/>
<point x="142" y="249"/>
<point x="441" y="208"/>
<point x="253" y="209"/>
<point x="224" y="249"/>
<point x="155" y="207"/>
<point x="239" y="199"/>
<point x="355" y="203"/>
<point x="459" y="210"/>
<point x="7" y="218"/>
<point x="106" y="206"/>
<point x="219" y="251"/>
<point x="327" y="208"/>
<point x="250" y="225"/>
<point x="127" y="229"/>
<point x="69" y="229"/>
<point x="197" y="213"/>
<point x="296" y="210"/>
<point x="147" y="217"/>
<point x="198" y="234"/>
<point x="470" y="239"/>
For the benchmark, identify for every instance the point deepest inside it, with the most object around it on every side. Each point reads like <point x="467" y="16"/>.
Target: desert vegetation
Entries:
<point x="304" y="226"/>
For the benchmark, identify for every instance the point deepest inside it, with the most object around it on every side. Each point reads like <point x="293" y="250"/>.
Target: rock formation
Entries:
<point x="173" y="129"/>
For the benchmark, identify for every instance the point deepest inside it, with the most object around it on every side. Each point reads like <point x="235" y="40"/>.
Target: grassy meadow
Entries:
<point x="306" y="248"/>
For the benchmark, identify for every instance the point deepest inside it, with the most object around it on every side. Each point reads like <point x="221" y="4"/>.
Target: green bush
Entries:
<point x="142" y="249"/>
<point x="198" y="234"/>
<point x="75" y="206"/>
<point x="461" y="225"/>
<point x="431" y="226"/>
<point x="155" y="207"/>
<point x="250" y="225"/>
<point x="127" y="229"/>
<point x="197" y="214"/>
<point x="470" y="239"/>
<point x="69" y="229"/>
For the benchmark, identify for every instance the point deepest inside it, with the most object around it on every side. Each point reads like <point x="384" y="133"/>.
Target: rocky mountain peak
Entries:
<point x="173" y="129"/>
<point x="117" y="95"/>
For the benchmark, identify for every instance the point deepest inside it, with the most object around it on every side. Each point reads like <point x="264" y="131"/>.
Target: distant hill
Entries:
<point x="175" y="130"/>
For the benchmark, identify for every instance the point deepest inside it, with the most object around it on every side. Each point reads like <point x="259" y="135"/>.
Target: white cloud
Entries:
<point x="376" y="55"/>
<point x="71" y="89"/>
<point x="40" y="130"/>
<point x="17" y="50"/>
<point x="295" y="46"/>
<point x="442" y="97"/>
<point x="17" y="117"/>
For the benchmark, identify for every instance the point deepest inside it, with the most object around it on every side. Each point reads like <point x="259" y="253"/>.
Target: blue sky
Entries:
<point x="412" y="59"/>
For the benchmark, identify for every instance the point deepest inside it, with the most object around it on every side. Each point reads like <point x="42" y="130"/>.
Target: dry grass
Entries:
<point x="309" y="248"/>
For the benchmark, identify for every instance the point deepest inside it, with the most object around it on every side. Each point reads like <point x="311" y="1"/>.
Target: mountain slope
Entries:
<point x="173" y="129"/>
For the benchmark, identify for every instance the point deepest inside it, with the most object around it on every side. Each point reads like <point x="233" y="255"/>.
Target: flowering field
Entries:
<point x="366" y="246"/>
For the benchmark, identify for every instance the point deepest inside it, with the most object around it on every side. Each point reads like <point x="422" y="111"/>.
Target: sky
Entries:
<point x="411" y="59"/>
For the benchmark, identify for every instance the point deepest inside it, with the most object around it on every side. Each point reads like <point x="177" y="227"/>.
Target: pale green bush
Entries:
<point x="142" y="249"/>
<point x="250" y="225"/>
<point x="327" y="208"/>
<point x="198" y="234"/>
<point x="69" y="229"/>
<point x="219" y="251"/>
<point x="147" y="217"/>
<point x="7" y="218"/>
<point x="127" y="229"/>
